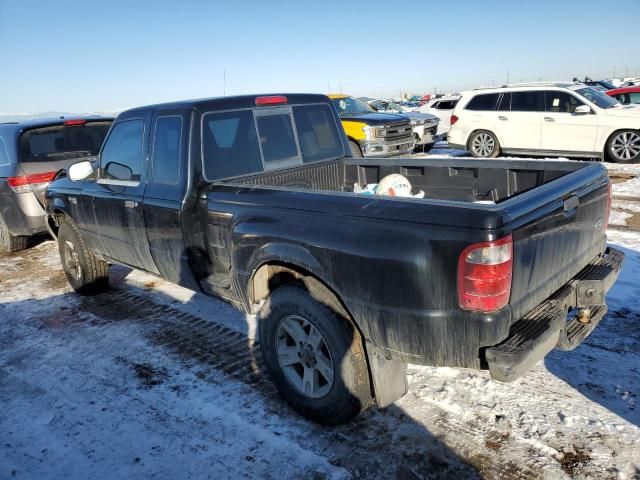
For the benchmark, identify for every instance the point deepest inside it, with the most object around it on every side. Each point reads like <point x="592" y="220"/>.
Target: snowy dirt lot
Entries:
<point x="150" y="380"/>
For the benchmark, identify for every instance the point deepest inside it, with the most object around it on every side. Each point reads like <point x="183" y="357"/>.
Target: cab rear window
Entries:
<point x="62" y="142"/>
<point x="242" y="142"/>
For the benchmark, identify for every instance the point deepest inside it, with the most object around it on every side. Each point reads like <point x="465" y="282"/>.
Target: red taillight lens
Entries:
<point x="484" y="275"/>
<point x="69" y="123"/>
<point x="29" y="183"/>
<point x="454" y="119"/>
<point x="271" y="100"/>
<point x="609" y="199"/>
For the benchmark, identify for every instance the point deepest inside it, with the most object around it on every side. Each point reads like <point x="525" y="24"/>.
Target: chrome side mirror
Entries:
<point x="80" y="171"/>
<point x="583" y="110"/>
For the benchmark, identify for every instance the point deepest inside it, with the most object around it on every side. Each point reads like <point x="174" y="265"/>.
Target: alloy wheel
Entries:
<point x="72" y="261"/>
<point x="626" y="145"/>
<point x="304" y="356"/>
<point x="483" y="145"/>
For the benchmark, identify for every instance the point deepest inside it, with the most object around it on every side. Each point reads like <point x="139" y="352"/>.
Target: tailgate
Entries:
<point x="558" y="229"/>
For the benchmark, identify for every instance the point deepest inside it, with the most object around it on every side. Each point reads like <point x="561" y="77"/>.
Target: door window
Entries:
<point x="121" y="158"/>
<point x="561" y="102"/>
<point x="166" y="150"/>
<point x="505" y="102"/>
<point x="531" y="101"/>
<point x="634" y="97"/>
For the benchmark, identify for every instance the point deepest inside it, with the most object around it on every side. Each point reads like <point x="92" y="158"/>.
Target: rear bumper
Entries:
<point x="23" y="213"/>
<point x="556" y="322"/>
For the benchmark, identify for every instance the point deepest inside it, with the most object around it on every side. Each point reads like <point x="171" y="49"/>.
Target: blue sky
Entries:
<point x="82" y="56"/>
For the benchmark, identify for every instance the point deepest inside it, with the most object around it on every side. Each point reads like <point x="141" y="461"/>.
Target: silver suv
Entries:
<point x="31" y="152"/>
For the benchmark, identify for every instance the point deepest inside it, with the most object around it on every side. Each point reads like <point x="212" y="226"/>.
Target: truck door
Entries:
<point x="118" y="195"/>
<point x="167" y="186"/>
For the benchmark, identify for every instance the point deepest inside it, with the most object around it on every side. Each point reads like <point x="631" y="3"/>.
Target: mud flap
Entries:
<point x="389" y="376"/>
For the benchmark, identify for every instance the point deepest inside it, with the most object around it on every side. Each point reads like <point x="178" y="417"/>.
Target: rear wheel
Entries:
<point x="314" y="356"/>
<point x="355" y="150"/>
<point x="85" y="273"/>
<point x="484" y="144"/>
<point x="624" y="147"/>
<point x="11" y="243"/>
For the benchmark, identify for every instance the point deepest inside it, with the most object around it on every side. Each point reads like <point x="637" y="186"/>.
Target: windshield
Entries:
<point x="351" y="106"/>
<point x="60" y="142"/>
<point x="598" y="97"/>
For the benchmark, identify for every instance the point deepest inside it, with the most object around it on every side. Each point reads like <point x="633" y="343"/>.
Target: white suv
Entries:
<point x="568" y="119"/>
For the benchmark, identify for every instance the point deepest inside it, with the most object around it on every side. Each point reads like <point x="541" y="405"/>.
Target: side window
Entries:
<point x="166" y="150"/>
<point x="634" y="97"/>
<point x="446" y="105"/>
<point x="561" y="102"/>
<point x="531" y="101"/>
<point x="121" y="157"/>
<point x="436" y="105"/>
<point x="485" y="101"/>
<point x="4" y="155"/>
<point x="230" y="144"/>
<point x="317" y="132"/>
<point x="505" y="102"/>
<point x="276" y="138"/>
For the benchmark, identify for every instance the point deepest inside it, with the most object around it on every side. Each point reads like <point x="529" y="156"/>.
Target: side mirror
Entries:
<point x="583" y="110"/>
<point x="80" y="171"/>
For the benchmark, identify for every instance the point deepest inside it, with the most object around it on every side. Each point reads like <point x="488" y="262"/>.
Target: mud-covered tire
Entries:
<point x="85" y="273"/>
<point x="11" y="243"/>
<point x="623" y="147"/>
<point x="355" y="149"/>
<point x="349" y="392"/>
<point x="483" y="144"/>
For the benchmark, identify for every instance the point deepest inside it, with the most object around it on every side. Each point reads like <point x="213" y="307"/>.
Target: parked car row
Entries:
<point x="374" y="133"/>
<point x="546" y="119"/>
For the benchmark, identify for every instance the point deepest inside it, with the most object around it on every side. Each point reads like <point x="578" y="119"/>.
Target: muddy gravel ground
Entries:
<point x="150" y="380"/>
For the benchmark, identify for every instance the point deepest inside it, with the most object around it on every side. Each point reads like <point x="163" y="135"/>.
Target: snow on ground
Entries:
<point x="618" y="218"/>
<point x="152" y="380"/>
<point x="630" y="188"/>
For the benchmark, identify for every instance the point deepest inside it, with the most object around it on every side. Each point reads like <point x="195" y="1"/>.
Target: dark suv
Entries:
<point x="31" y="152"/>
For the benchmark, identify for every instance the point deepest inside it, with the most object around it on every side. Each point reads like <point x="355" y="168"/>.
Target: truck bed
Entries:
<point x="457" y="180"/>
<point x="555" y="211"/>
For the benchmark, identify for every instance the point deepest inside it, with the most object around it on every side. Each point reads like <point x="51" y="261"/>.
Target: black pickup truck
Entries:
<point x="251" y="199"/>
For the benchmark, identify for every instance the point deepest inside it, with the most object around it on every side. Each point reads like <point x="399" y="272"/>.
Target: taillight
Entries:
<point x="30" y="183"/>
<point x="609" y="195"/>
<point x="271" y="100"/>
<point x="454" y="119"/>
<point x="484" y="275"/>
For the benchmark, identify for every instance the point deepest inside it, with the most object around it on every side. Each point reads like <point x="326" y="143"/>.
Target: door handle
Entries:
<point x="130" y="204"/>
<point x="503" y="118"/>
<point x="549" y="119"/>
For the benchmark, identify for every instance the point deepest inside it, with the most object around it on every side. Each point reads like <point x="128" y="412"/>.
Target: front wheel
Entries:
<point x="85" y="273"/>
<point x="484" y="144"/>
<point x="314" y="356"/>
<point x="624" y="147"/>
